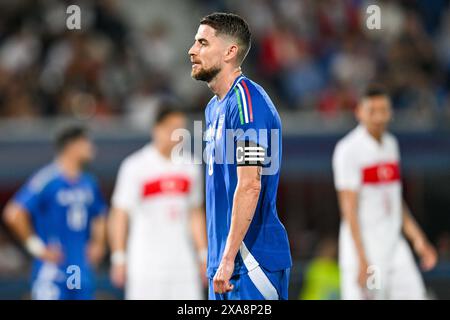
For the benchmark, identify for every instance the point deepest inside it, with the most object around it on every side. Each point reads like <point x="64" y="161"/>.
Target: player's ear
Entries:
<point x="231" y="53"/>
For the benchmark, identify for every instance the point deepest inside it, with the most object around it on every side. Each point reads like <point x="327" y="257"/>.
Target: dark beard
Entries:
<point x="207" y="75"/>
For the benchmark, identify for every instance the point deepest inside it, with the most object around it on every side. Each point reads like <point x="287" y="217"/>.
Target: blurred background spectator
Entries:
<point x="314" y="55"/>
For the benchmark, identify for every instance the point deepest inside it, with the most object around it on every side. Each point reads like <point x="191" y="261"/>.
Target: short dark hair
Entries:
<point x="166" y="107"/>
<point x="232" y="25"/>
<point x="375" y="90"/>
<point x="68" y="135"/>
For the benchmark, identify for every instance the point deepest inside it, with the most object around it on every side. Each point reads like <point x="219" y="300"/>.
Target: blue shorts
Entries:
<point x="257" y="284"/>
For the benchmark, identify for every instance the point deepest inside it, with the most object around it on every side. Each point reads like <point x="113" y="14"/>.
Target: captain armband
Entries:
<point x="249" y="153"/>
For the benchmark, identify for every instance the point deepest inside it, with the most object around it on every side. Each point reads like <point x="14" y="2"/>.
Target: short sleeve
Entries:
<point x="251" y="121"/>
<point x="347" y="174"/>
<point x="29" y="196"/>
<point x="98" y="206"/>
<point x="125" y="194"/>
<point x="196" y="191"/>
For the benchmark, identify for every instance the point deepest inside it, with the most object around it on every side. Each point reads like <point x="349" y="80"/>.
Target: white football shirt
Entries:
<point x="158" y="194"/>
<point x="362" y="164"/>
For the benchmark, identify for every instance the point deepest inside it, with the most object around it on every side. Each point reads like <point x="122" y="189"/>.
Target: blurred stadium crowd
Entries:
<point x="312" y="55"/>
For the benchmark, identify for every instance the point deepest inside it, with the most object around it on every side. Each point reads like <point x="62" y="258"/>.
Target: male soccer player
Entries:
<point x="59" y="217"/>
<point x="162" y="255"/>
<point x="248" y="248"/>
<point x="375" y="259"/>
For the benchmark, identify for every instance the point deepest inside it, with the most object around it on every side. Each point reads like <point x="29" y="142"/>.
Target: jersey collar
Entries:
<point x="363" y="131"/>
<point x="239" y="78"/>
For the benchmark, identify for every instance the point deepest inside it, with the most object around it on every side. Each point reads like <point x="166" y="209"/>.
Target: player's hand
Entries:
<point x="427" y="254"/>
<point x="118" y="274"/>
<point x="221" y="280"/>
<point x="95" y="253"/>
<point x="362" y="273"/>
<point x="52" y="254"/>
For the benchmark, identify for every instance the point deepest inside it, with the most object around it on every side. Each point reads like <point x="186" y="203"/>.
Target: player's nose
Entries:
<point x="192" y="51"/>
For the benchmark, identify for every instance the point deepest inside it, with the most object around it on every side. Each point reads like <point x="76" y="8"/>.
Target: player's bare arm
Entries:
<point x="18" y="220"/>
<point x="118" y="233"/>
<point x="198" y="229"/>
<point x="348" y="203"/>
<point x="97" y="244"/>
<point x="244" y="204"/>
<point x="419" y="241"/>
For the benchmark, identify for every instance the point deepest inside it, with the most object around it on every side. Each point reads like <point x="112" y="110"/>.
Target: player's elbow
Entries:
<point x="9" y="214"/>
<point x="250" y="187"/>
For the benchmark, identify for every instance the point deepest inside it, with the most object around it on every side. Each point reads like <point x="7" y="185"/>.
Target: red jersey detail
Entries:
<point x="166" y="184"/>
<point x="381" y="173"/>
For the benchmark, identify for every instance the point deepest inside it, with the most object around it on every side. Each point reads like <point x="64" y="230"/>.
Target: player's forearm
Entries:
<point x="99" y="231"/>
<point x="118" y="230"/>
<point x="244" y="205"/>
<point x="356" y="235"/>
<point x="349" y="211"/>
<point x="411" y="229"/>
<point x="17" y="219"/>
<point x="198" y="227"/>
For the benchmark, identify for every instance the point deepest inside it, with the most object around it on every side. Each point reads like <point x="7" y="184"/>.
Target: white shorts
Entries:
<point x="399" y="279"/>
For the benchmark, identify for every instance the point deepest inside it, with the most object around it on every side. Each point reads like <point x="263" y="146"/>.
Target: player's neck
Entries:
<point x="166" y="153"/>
<point x="70" y="168"/>
<point x="376" y="135"/>
<point x="222" y="83"/>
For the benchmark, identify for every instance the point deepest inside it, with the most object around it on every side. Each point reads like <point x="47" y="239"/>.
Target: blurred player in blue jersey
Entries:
<point x="59" y="217"/>
<point x="248" y="248"/>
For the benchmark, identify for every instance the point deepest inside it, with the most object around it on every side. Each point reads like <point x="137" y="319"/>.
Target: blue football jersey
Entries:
<point x="61" y="212"/>
<point x="244" y="128"/>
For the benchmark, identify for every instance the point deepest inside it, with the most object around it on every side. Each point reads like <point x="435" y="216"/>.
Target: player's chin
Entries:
<point x="196" y="74"/>
<point x="379" y="128"/>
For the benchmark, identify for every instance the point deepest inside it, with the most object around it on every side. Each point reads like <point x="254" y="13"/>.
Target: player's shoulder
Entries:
<point x="349" y="142"/>
<point x="390" y="138"/>
<point x="250" y="99"/>
<point x="248" y="91"/>
<point x="44" y="176"/>
<point x="391" y="142"/>
<point x="348" y="139"/>
<point x="134" y="159"/>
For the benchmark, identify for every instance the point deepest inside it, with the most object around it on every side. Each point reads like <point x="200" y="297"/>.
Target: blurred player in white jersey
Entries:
<point x="374" y="257"/>
<point x="157" y="224"/>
